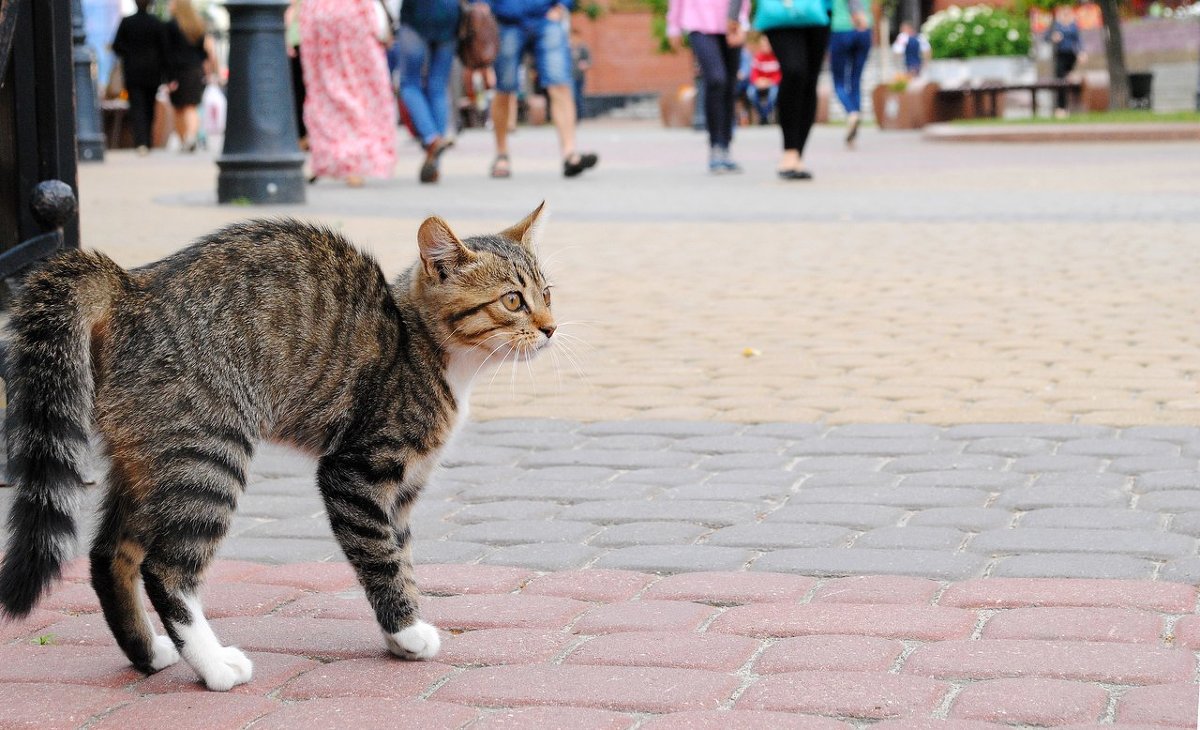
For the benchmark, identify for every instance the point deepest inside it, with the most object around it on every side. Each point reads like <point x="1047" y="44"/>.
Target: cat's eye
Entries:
<point x="546" y="295"/>
<point x="512" y="301"/>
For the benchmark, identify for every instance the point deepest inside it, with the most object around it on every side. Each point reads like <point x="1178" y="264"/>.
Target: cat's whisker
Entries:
<point x="570" y="356"/>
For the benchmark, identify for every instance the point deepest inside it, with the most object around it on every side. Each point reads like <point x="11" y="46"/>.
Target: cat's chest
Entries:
<point x="420" y="466"/>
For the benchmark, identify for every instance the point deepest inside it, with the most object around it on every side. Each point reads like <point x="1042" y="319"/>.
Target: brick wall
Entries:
<point x="625" y="57"/>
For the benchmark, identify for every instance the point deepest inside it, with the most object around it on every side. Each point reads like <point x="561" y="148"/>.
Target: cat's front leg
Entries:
<point x="370" y="523"/>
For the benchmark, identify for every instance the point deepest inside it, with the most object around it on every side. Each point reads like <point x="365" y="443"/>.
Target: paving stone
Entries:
<point x="1041" y="496"/>
<point x="838" y="562"/>
<point x="72" y="665"/>
<point x="743" y="492"/>
<point x="535" y="440"/>
<point x="1078" y="660"/>
<point x="1079" y="479"/>
<point x="515" y="509"/>
<point x="302" y="527"/>
<point x="1042" y="702"/>
<point x="944" y="462"/>
<point x="729" y="462"/>
<point x="297" y="485"/>
<point x="741" y="720"/>
<point x="817" y="464"/>
<point x="590" y="585"/>
<point x="1171" y="500"/>
<point x="1187" y="523"/>
<point x="593" y="475"/>
<point x="576" y="718"/>
<point x="975" y="479"/>
<point x="1177" y="434"/>
<point x="884" y="430"/>
<point x="671" y="429"/>
<point x="271" y="671"/>
<point x="1015" y="593"/>
<point x="525" y="425"/>
<point x="731" y="588"/>
<point x="1076" y="624"/>
<point x="322" y="639"/>
<point x="649" y="533"/>
<point x="829" y="654"/>
<point x="611" y="458"/>
<point x="479" y="455"/>
<point x="198" y="711"/>
<point x="895" y="621"/>
<point x="277" y="507"/>
<point x="480" y="474"/>
<point x="859" y="517"/>
<point x="870" y="447"/>
<point x="661" y="477"/>
<point x="920" y="538"/>
<point x="866" y="695"/>
<point x="780" y="535"/>
<point x="967" y="519"/>
<point x="871" y="589"/>
<point x="502" y="611"/>
<point x="680" y="649"/>
<point x="375" y="677"/>
<point x="521" y="532"/>
<point x="1182" y="570"/>
<point x="780" y="481"/>
<point x="1091" y="518"/>
<point x="1056" y="432"/>
<point x="1172" y="705"/>
<point x="543" y="556"/>
<point x="273" y="460"/>
<point x="1056" y="463"/>
<point x="631" y="442"/>
<point x="1010" y="446"/>
<point x="636" y="689"/>
<point x="279" y="549"/>
<point x="1138" y="543"/>
<point x="674" y="559"/>
<point x="714" y="513"/>
<point x="790" y="431"/>
<point x="1158" y="480"/>
<point x="456" y="579"/>
<point x="1115" y="448"/>
<point x="447" y="551"/>
<point x="726" y="445"/>
<point x="568" y="492"/>
<point x="1141" y="464"/>
<point x="364" y="712"/>
<point x="851" y="479"/>
<point x="908" y="497"/>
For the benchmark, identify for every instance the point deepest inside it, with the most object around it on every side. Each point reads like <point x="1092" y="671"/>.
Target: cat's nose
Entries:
<point x="548" y="330"/>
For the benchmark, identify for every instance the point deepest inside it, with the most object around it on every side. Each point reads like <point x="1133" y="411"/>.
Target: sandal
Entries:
<point x="581" y="162"/>
<point x="433" y="154"/>
<point x="500" y="168"/>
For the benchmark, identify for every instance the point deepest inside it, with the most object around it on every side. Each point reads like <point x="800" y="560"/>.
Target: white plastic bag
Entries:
<point x="212" y="110"/>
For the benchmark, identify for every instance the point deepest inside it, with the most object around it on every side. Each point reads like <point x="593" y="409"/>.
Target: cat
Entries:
<point x="270" y="329"/>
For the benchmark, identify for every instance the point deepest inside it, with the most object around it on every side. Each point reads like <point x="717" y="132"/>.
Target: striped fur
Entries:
<point x="273" y="330"/>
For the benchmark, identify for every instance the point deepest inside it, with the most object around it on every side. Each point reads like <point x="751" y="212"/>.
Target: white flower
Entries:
<point x="1012" y="35"/>
<point x="978" y="30"/>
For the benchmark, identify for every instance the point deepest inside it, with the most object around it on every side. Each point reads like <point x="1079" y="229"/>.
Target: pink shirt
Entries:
<point x="702" y="16"/>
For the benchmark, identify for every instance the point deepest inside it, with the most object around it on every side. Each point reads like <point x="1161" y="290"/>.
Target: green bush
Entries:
<point x="979" y="30"/>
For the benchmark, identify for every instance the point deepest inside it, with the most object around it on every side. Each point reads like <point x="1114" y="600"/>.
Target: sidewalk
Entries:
<point x="915" y="446"/>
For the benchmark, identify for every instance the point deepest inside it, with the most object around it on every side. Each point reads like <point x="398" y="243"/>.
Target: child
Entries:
<point x="765" y="75"/>
<point x="914" y="47"/>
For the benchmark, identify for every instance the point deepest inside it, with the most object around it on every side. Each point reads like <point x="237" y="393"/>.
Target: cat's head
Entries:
<point x="489" y="292"/>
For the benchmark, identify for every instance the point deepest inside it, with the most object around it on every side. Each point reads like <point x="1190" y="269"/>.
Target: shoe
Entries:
<point x="795" y="175"/>
<point x="433" y="153"/>
<point x="143" y="150"/>
<point x="500" y="168"/>
<point x="729" y="165"/>
<point x="583" y="161"/>
<point x="852" y="129"/>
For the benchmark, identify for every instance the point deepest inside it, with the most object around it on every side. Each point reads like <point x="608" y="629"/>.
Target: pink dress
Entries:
<point x="349" y="107"/>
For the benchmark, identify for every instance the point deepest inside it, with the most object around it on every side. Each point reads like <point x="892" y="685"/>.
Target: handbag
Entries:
<point x="771" y="14"/>
<point x="478" y="35"/>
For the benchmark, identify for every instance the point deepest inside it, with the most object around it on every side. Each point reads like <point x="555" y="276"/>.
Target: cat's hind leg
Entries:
<point x="116" y="561"/>
<point x="362" y="504"/>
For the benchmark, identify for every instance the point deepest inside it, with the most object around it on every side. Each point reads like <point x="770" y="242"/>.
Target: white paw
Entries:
<point x="162" y="653"/>
<point x="230" y="669"/>
<point x="419" y="641"/>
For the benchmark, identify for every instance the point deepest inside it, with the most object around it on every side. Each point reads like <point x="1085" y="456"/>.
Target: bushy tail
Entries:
<point x="50" y="398"/>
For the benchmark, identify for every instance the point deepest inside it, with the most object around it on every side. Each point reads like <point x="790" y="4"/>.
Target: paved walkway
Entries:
<point x="917" y="445"/>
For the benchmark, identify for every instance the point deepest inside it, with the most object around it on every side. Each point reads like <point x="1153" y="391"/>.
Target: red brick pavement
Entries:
<point x="617" y="649"/>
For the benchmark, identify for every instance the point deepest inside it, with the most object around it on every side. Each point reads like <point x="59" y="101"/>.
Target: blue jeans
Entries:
<point x="718" y="62"/>
<point x="763" y="101"/>
<point x="848" y="51"/>
<point x="551" y="52"/>
<point x="425" y="82"/>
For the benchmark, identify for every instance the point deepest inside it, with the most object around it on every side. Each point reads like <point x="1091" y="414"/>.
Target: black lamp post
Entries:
<point x="261" y="160"/>
<point x="89" y="135"/>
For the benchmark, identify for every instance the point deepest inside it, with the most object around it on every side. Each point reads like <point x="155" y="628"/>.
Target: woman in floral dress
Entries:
<point x="349" y="107"/>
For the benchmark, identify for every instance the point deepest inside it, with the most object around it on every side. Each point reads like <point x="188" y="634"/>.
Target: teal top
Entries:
<point x="842" y="11"/>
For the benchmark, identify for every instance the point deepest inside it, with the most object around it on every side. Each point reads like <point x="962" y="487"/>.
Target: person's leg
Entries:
<point x="730" y="56"/>
<point x="858" y="62"/>
<point x="839" y="66"/>
<point x="814" y="41"/>
<point x="507" y="68"/>
<point x="1063" y="63"/>
<point x="708" y="50"/>
<point x="552" y="54"/>
<point x="789" y="49"/>
<point x="414" y="59"/>
<point x="441" y="63"/>
<point x="141" y="114"/>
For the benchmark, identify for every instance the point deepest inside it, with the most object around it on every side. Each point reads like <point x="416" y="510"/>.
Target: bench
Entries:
<point x="981" y="99"/>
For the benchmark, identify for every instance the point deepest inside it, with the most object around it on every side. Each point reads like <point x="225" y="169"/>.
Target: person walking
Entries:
<point x="799" y="34"/>
<point x="192" y="60"/>
<point x="141" y="44"/>
<point x="536" y="26"/>
<point x="427" y="43"/>
<point x="913" y="46"/>
<point x="1068" y="51"/>
<point x="718" y="52"/>
<point x="349" y="108"/>
<point x="849" y="44"/>
<point x="581" y="63"/>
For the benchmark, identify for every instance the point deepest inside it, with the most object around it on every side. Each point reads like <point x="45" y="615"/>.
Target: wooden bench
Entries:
<point x="981" y="99"/>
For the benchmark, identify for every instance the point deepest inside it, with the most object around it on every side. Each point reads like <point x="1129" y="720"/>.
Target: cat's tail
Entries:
<point x="50" y="389"/>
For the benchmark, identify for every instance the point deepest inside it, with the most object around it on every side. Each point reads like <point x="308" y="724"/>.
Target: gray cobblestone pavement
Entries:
<point x="946" y="503"/>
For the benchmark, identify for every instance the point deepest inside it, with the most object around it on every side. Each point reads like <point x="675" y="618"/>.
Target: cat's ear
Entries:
<point x="528" y="232"/>
<point x="441" y="251"/>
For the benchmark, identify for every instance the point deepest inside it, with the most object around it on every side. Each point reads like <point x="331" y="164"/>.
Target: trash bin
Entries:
<point x="1141" y="90"/>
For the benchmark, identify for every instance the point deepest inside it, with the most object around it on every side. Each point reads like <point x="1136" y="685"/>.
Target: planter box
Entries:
<point x="951" y="72"/>
<point x="912" y="108"/>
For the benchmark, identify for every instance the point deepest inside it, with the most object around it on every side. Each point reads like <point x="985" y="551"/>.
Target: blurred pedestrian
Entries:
<point x="717" y="47"/>
<point x="427" y="41"/>
<point x="913" y="46"/>
<point x="349" y="107"/>
<point x="581" y="63"/>
<point x="1068" y="50"/>
<point x="764" y="79"/>
<point x="141" y="44"/>
<point x="849" y="45"/>
<point x="799" y="34"/>
<point x="193" y="60"/>
<point x="291" y="19"/>
<point x="537" y="26"/>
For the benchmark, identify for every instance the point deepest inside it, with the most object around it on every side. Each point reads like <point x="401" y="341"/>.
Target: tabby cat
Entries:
<point x="273" y="330"/>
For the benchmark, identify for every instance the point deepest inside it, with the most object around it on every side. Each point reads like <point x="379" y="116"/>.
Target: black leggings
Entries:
<point x="718" y="63"/>
<point x="141" y="113"/>
<point x="800" y="52"/>
<point x="1063" y="63"/>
